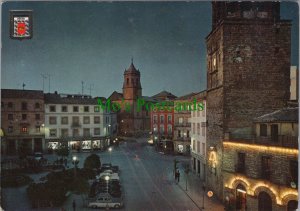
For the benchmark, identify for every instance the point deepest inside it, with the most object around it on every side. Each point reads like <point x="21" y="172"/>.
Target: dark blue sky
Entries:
<point x="94" y="42"/>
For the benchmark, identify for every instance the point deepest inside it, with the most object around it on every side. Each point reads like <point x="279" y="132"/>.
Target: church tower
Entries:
<point x="248" y="64"/>
<point x="132" y="88"/>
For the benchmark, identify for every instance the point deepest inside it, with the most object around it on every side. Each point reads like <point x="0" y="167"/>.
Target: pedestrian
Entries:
<point x="74" y="205"/>
<point x="178" y="175"/>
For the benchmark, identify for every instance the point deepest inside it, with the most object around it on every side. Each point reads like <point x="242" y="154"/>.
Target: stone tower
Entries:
<point x="132" y="88"/>
<point x="248" y="62"/>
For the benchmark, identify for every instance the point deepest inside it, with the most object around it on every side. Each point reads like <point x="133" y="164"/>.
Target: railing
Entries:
<point x="184" y="124"/>
<point x="282" y="140"/>
<point x="76" y="124"/>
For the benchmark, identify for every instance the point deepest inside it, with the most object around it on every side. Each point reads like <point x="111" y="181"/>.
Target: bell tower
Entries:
<point x="132" y="88"/>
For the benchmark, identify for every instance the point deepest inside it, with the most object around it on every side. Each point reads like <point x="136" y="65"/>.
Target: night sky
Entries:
<point x="95" y="41"/>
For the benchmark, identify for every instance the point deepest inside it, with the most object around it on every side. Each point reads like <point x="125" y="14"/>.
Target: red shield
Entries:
<point x="21" y="28"/>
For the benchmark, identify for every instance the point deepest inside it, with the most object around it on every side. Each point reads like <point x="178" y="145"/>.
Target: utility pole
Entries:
<point x="91" y="88"/>
<point x="44" y="77"/>
<point x="82" y="87"/>
<point x="49" y="76"/>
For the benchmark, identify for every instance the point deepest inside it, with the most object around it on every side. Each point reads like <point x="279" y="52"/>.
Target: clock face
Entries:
<point x="239" y="53"/>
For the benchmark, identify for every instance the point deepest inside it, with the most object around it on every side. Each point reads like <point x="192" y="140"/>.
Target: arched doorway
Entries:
<point x="241" y="198"/>
<point x="292" y="205"/>
<point x="264" y="202"/>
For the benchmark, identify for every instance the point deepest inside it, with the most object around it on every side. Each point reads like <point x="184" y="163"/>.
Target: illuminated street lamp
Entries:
<point x="110" y="149"/>
<point x="75" y="162"/>
<point x="106" y="179"/>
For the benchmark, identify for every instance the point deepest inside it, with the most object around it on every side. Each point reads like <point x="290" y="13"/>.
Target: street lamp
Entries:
<point x="106" y="179"/>
<point x="110" y="149"/>
<point x="203" y="189"/>
<point x="75" y="161"/>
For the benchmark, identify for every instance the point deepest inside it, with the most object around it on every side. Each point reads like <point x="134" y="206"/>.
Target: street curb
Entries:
<point x="189" y="196"/>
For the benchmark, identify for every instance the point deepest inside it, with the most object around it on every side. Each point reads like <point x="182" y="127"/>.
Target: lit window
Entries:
<point x="96" y="109"/>
<point x="24" y="129"/>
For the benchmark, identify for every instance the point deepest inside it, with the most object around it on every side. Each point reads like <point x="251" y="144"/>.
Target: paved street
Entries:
<point x="147" y="181"/>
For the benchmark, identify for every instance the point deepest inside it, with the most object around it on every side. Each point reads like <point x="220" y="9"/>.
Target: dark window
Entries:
<point x="64" y="109"/>
<point x="96" y="119"/>
<point x="10" y="105"/>
<point x="24" y="116"/>
<point x="292" y="205"/>
<point x="179" y="133"/>
<point x="37" y="105"/>
<point x="10" y="117"/>
<point x="86" y="109"/>
<point x="263" y="130"/>
<point x="75" y="108"/>
<point x="265" y="167"/>
<point x="64" y="120"/>
<point x="24" y="106"/>
<point x="127" y="81"/>
<point x="2" y="105"/>
<point x="274" y="133"/>
<point x="37" y="116"/>
<point x="264" y="202"/>
<point x="52" y="120"/>
<point x="240" y="167"/>
<point x="86" y="120"/>
<point x="52" y="108"/>
<point x="293" y="173"/>
<point x="10" y="129"/>
<point x="188" y="134"/>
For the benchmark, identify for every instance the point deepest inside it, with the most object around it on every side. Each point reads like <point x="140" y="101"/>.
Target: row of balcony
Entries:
<point x="287" y="141"/>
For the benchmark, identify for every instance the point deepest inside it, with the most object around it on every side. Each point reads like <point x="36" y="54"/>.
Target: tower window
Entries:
<point x="137" y="81"/>
<point x="127" y="81"/>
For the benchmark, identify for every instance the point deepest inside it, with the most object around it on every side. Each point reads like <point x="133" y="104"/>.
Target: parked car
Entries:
<point x="105" y="200"/>
<point x="38" y="156"/>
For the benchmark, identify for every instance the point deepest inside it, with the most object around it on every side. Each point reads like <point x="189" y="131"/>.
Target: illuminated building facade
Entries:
<point x="248" y="75"/>
<point x="262" y="174"/>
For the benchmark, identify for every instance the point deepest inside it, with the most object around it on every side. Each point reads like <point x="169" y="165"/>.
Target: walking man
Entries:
<point x="178" y="175"/>
<point x="74" y="205"/>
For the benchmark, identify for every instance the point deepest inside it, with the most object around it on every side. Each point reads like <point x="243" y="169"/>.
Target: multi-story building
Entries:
<point x="198" y="137"/>
<point x="262" y="173"/>
<point x="182" y="125"/>
<point x="248" y="65"/>
<point x="78" y="121"/>
<point x="22" y="121"/>
<point x="132" y="119"/>
<point x="162" y="121"/>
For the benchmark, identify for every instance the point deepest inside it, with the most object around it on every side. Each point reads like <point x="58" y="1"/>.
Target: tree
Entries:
<point x="63" y="150"/>
<point x="92" y="162"/>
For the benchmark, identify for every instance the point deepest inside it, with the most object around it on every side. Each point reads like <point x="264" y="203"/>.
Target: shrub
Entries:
<point x="16" y="180"/>
<point x="92" y="162"/>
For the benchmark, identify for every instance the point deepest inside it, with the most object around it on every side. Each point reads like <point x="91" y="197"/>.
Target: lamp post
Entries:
<point x="203" y="189"/>
<point x="110" y="149"/>
<point x="75" y="161"/>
